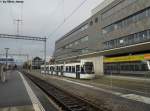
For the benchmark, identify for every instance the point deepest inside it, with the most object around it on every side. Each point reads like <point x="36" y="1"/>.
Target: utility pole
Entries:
<point x="18" y="25"/>
<point x="45" y="56"/>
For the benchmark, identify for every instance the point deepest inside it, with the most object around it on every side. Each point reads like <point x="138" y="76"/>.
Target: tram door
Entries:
<point x="78" y="71"/>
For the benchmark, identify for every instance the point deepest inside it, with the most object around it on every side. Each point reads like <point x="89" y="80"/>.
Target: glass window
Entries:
<point x="76" y="42"/>
<point x="136" y="37"/>
<point x="148" y="12"/>
<point x="96" y="19"/>
<point x="143" y="35"/>
<point x="115" y="26"/>
<point x="121" y="41"/>
<point x="131" y="39"/>
<point x="104" y="31"/>
<point x="82" y="70"/>
<point x="73" y="69"/>
<point x="124" y="23"/>
<point x="91" y="23"/>
<point x="129" y="20"/>
<point x="84" y="39"/>
<point x="142" y="15"/>
<point x="70" y="45"/>
<point x="135" y="18"/>
<point x="120" y="25"/>
<point x="77" y="68"/>
<point x="85" y="51"/>
<point x="84" y="27"/>
<point x="69" y="68"/>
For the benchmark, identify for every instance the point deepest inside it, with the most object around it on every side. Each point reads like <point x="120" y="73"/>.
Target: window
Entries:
<point x="142" y="15"/>
<point x="84" y="27"/>
<point x="96" y="19"/>
<point x="148" y="12"/>
<point x="121" y="41"/>
<point x="91" y="23"/>
<point x="69" y="68"/>
<point x="115" y="26"/>
<point x="136" y="38"/>
<point x="73" y="69"/>
<point x="84" y="51"/>
<point x="104" y="31"/>
<point x="128" y="40"/>
<point x="84" y="39"/>
<point x="109" y="28"/>
<point x="143" y="35"/>
<point x="76" y="43"/>
<point x="67" y="46"/>
<point x="127" y="21"/>
<point x="70" y="45"/>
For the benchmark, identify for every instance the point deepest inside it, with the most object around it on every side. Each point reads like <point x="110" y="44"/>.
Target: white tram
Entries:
<point x="80" y="70"/>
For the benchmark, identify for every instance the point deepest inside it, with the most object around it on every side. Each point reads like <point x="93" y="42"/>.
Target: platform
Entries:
<point x="18" y="93"/>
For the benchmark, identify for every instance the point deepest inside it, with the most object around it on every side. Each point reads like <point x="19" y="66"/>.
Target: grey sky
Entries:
<point x="41" y="18"/>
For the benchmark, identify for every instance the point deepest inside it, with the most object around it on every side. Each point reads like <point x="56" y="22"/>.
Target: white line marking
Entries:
<point x="137" y="98"/>
<point x="134" y="97"/>
<point x="35" y="101"/>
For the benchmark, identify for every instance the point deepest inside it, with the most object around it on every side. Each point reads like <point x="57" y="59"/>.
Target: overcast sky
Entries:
<point x="41" y="18"/>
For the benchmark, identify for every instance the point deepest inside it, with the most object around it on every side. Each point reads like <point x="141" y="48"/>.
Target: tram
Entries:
<point x="132" y="64"/>
<point x="81" y="70"/>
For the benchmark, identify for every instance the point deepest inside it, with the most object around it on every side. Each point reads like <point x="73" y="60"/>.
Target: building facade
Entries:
<point x="121" y="28"/>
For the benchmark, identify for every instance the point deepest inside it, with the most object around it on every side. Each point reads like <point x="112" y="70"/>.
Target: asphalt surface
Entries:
<point x="14" y="95"/>
<point x="13" y="92"/>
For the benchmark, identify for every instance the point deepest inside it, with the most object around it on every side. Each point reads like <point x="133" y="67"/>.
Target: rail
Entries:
<point x="65" y="100"/>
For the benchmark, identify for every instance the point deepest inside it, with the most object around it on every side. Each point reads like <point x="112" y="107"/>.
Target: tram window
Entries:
<point x="42" y="68"/>
<point x="77" y="68"/>
<point x="61" y="68"/>
<point x="56" y="68"/>
<point x="73" y="69"/>
<point x="82" y="70"/>
<point x="69" y="68"/>
<point x="88" y="67"/>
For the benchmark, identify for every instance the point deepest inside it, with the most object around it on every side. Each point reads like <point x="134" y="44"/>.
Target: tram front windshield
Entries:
<point x="88" y="67"/>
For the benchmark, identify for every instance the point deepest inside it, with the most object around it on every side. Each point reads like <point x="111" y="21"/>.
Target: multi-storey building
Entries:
<point x="121" y="28"/>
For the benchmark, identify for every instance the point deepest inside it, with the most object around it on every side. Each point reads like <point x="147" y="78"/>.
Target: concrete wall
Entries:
<point x="101" y="6"/>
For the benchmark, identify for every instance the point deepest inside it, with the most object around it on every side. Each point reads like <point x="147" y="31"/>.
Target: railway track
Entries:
<point x="65" y="100"/>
